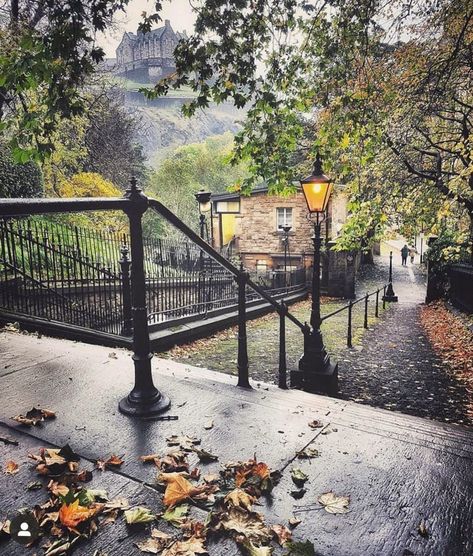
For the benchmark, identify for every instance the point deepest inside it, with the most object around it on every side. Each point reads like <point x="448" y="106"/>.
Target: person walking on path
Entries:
<point x="404" y="253"/>
<point x="412" y="253"/>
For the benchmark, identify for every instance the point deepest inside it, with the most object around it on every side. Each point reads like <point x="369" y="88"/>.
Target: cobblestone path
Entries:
<point x="395" y="367"/>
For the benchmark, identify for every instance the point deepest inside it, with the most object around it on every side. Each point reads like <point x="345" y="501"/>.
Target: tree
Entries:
<point x="19" y="180"/>
<point x="103" y="141"/>
<point x="111" y="141"/>
<point x="47" y="50"/>
<point x="90" y="184"/>
<point x="193" y="167"/>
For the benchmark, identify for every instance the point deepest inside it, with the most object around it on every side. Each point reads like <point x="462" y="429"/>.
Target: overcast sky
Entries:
<point x="179" y="12"/>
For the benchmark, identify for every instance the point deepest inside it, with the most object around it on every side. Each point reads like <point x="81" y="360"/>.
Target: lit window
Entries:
<point x="284" y="217"/>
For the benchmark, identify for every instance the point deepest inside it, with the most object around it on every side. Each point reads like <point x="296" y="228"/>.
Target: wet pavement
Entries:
<point x="398" y="471"/>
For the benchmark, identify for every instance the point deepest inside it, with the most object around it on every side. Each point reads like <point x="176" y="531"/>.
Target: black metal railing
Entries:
<point x="80" y="276"/>
<point x="144" y="399"/>
<point x="350" y="306"/>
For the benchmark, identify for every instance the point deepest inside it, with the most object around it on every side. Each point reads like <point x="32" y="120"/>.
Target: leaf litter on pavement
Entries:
<point x="229" y="497"/>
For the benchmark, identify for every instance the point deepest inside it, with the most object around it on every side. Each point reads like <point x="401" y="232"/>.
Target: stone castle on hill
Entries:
<point x="147" y="56"/>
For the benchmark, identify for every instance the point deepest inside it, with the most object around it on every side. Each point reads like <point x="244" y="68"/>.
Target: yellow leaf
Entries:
<point x="179" y="489"/>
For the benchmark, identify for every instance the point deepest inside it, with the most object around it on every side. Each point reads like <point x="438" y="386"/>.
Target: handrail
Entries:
<point x="177" y="222"/>
<point x="27" y="207"/>
<point x="351" y="303"/>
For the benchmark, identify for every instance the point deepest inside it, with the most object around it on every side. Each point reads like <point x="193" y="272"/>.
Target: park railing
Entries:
<point x="365" y="300"/>
<point x="144" y="399"/>
<point x="80" y="276"/>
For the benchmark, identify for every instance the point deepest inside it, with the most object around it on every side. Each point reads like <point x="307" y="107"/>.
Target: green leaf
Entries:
<point x="139" y="515"/>
<point x="298" y="477"/>
<point x="300" y="549"/>
<point x="176" y="515"/>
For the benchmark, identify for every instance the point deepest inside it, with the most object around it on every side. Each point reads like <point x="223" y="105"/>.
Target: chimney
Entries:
<point x="167" y="24"/>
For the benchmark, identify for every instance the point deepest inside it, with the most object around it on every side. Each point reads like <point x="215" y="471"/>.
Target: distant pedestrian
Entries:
<point x="412" y="253"/>
<point x="404" y="253"/>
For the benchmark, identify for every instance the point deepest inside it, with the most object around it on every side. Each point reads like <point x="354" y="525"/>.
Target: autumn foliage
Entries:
<point x="452" y="341"/>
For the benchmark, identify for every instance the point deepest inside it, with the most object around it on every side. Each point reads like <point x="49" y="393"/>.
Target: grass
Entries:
<point x="219" y="351"/>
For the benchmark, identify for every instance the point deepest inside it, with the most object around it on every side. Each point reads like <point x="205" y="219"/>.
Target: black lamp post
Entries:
<point x="316" y="373"/>
<point x="286" y="230"/>
<point x="205" y="206"/>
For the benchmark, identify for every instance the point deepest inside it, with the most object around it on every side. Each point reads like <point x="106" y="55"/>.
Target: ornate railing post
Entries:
<point x="127" y="324"/>
<point x="145" y="399"/>
<point x="243" y="366"/>
<point x="282" y="374"/>
<point x="390" y="295"/>
<point x="376" y="313"/>
<point x="365" y="323"/>
<point x="349" y="328"/>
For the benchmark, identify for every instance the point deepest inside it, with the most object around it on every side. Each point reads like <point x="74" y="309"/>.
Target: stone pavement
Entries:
<point x="395" y="367"/>
<point x="399" y="471"/>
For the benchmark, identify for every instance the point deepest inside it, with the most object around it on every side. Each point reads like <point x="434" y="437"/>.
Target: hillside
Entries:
<point x="163" y="127"/>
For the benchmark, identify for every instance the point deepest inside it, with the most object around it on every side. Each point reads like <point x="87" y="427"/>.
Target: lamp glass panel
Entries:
<point x="205" y="207"/>
<point x="317" y="195"/>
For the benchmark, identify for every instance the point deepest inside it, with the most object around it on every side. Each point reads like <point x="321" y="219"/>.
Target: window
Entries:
<point x="261" y="265"/>
<point x="284" y="217"/>
<point x="232" y="207"/>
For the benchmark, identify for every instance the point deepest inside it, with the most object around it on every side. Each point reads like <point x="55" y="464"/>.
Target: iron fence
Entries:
<point x="352" y="303"/>
<point x="81" y="276"/>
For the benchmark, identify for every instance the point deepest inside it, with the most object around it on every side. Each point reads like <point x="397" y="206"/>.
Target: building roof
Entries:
<point x="260" y="188"/>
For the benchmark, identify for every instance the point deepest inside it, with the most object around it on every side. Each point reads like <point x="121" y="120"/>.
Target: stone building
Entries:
<point x="147" y="56"/>
<point x="251" y="227"/>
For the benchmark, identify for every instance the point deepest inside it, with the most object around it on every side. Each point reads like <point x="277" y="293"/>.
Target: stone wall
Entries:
<point x="259" y="239"/>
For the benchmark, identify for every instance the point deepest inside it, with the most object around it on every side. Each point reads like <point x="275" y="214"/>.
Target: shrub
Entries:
<point x="19" y="180"/>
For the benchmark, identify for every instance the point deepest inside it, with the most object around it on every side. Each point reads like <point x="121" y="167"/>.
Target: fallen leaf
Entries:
<point x="298" y="477"/>
<point x="254" y="550"/>
<point x="240" y="499"/>
<point x="189" y="547"/>
<point x="422" y="529"/>
<point x="334" y="504"/>
<point x="112" y="461"/>
<point x="316" y="424"/>
<point x="176" y="515"/>
<point x="308" y="453"/>
<point x="209" y="425"/>
<point x="184" y="441"/>
<point x="34" y="485"/>
<point x="204" y="456"/>
<point x="34" y="416"/>
<point x="139" y="515"/>
<point x="282" y="533"/>
<point x="294" y="522"/>
<point x="156" y="543"/>
<point x="248" y="525"/>
<point x="179" y="489"/>
<point x="70" y="515"/>
<point x="300" y="549"/>
<point x="11" y="468"/>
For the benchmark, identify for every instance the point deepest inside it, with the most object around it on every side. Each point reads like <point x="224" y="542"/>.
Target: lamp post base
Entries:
<point x="320" y="382"/>
<point x="139" y="409"/>
<point x="390" y="296"/>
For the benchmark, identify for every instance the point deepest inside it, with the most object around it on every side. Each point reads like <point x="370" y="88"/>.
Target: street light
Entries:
<point x="205" y="206"/>
<point x="316" y="373"/>
<point x="286" y="229"/>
